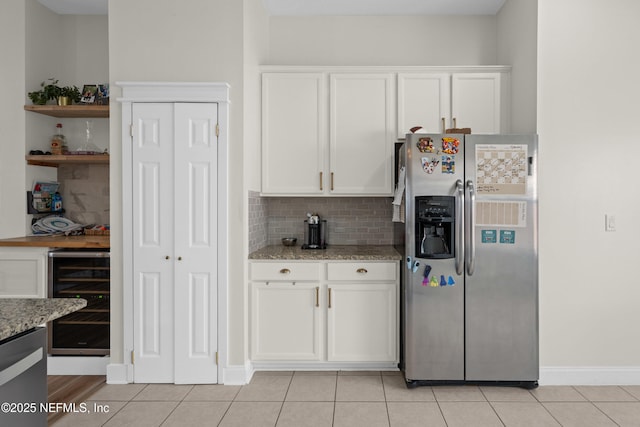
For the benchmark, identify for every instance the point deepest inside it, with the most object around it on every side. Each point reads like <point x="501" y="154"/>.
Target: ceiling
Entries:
<point x="321" y="7"/>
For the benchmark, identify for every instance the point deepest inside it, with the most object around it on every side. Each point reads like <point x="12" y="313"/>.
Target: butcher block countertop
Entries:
<point x="335" y="252"/>
<point x="21" y="314"/>
<point x="58" y="241"/>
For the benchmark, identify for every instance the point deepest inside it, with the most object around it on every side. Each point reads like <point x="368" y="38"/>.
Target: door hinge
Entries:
<point x="216" y="357"/>
<point x="217" y="129"/>
<point x="132" y="357"/>
<point x="131" y="130"/>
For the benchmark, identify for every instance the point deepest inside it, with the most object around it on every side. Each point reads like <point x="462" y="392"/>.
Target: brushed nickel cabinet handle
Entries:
<point x="455" y="125"/>
<point x="331" y="181"/>
<point x="362" y="271"/>
<point x="321" y="188"/>
<point x="444" y="125"/>
<point x="329" y="297"/>
<point x="317" y="296"/>
<point x="285" y="271"/>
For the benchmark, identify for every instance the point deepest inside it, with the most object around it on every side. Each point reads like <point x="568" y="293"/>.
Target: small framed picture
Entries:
<point x="89" y="94"/>
<point x="102" y="95"/>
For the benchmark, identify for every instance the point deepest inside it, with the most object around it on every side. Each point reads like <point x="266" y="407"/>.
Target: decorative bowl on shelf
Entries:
<point x="289" y="241"/>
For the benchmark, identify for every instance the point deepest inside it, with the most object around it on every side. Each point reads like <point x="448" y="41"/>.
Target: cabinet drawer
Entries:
<point x="289" y="271"/>
<point x="367" y="271"/>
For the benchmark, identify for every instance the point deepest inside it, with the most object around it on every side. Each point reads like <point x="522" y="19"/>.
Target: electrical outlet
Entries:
<point x="609" y="222"/>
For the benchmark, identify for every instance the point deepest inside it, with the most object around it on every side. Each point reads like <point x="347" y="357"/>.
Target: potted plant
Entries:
<point x="69" y="94"/>
<point x="49" y="91"/>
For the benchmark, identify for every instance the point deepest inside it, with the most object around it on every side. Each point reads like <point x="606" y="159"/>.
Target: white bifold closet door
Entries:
<point x="174" y="161"/>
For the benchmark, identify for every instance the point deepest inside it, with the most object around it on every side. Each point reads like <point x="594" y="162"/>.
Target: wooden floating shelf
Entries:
<point x="71" y="111"/>
<point x="55" y="161"/>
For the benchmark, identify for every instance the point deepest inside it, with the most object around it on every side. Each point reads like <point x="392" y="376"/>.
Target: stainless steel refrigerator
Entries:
<point x="470" y="270"/>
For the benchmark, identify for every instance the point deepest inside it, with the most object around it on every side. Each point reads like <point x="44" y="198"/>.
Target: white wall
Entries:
<point x="190" y="40"/>
<point x="588" y="87"/>
<point x="256" y="46"/>
<point x="383" y="40"/>
<point x="12" y="164"/>
<point x="517" y="41"/>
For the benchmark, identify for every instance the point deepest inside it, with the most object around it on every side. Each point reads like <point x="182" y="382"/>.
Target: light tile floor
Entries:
<point x="354" y="399"/>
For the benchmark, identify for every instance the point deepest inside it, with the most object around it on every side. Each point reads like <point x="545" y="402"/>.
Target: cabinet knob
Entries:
<point x="362" y="270"/>
<point x="179" y="258"/>
<point x="167" y="257"/>
<point x="285" y="271"/>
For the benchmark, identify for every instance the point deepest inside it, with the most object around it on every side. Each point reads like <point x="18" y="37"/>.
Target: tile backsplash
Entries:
<point x="85" y="193"/>
<point x="350" y="220"/>
<point x="257" y="221"/>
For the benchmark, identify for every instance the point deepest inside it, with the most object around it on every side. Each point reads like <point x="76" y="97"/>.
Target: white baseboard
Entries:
<point x="237" y="375"/>
<point x="589" y="375"/>
<point x="77" y="365"/>
<point x="117" y="374"/>
<point x="324" y="366"/>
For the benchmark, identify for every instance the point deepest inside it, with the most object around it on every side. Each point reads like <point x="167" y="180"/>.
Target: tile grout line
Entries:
<point x="176" y="407"/>
<point x="491" y="406"/>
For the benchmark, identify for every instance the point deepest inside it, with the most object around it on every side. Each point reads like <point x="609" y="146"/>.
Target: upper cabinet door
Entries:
<point x="294" y="133"/>
<point x="424" y="99"/>
<point x="362" y="133"/>
<point x="476" y="102"/>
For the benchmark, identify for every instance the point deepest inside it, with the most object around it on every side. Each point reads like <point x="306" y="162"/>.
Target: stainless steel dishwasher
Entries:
<point x="23" y="379"/>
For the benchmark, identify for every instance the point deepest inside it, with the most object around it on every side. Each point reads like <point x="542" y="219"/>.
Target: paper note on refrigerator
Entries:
<point x="501" y="169"/>
<point x="500" y="214"/>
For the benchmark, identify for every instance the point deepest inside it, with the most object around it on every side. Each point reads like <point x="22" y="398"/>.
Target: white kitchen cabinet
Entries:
<point x="23" y="272"/>
<point x="362" y="311"/>
<point x="324" y="312"/>
<point x="285" y="321"/>
<point x="362" y="322"/>
<point x="323" y="142"/>
<point x="174" y="213"/>
<point x="361" y="123"/>
<point x="438" y="101"/>
<point x="285" y="311"/>
<point x="294" y="133"/>
<point x="477" y="102"/>
<point x="424" y="99"/>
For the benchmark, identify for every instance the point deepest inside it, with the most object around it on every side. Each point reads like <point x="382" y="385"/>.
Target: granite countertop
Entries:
<point x="21" y="314"/>
<point x="334" y="252"/>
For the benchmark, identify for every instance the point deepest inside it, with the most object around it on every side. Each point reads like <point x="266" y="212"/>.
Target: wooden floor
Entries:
<point x="71" y="389"/>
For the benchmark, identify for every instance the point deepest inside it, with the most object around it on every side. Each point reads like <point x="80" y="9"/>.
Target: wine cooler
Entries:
<point x="80" y="274"/>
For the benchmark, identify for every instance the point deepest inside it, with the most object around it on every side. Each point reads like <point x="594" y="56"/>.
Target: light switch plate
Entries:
<point x="609" y="222"/>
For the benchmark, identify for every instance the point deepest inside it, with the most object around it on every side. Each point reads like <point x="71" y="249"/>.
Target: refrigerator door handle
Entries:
<point x="459" y="232"/>
<point x="470" y="224"/>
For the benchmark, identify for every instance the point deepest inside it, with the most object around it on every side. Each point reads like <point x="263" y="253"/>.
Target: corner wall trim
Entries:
<point x="589" y="375"/>
<point x="238" y="374"/>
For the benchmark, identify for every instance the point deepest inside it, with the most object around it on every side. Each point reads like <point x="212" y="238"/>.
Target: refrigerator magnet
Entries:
<point x="449" y="164"/>
<point x="450" y="145"/>
<point x="434" y="282"/>
<point x="425" y="145"/>
<point x="489" y="236"/>
<point x="443" y="282"/>
<point x="508" y="236"/>
<point x="429" y="164"/>
<point x="450" y="281"/>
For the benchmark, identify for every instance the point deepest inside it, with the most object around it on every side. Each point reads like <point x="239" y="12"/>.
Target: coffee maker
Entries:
<point x="315" y="232"/>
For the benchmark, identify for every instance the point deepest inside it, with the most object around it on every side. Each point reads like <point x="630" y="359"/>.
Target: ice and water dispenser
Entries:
<point x="434" y="226"/>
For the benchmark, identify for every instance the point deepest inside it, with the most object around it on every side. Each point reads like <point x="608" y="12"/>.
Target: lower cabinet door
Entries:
<point x="362" y="322"/>
<point x="285" y="322"/>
